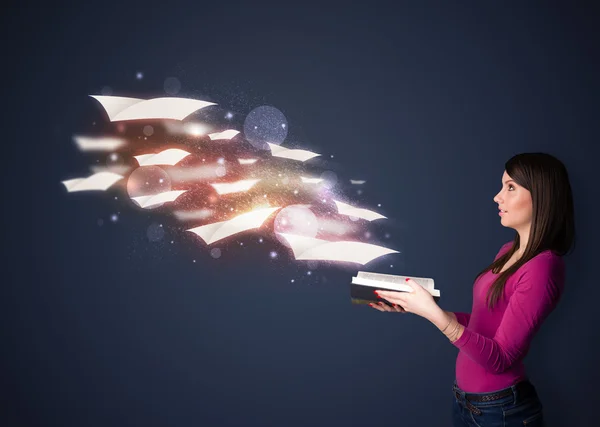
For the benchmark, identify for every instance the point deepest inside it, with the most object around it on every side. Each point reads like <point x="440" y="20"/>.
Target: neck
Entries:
<point x="523" y="238"/>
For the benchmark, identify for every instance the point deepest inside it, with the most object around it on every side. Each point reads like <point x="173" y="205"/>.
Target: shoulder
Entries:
<point x="546" y="269"/>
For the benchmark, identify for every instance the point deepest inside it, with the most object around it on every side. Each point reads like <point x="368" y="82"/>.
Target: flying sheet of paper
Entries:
<point x="193" y="215"/>
<point x="349" y="210"/>
<point x="121" y="108"/>
<point x="194" y="173"/>
<point x="188" y="128"/>
<point x="357" y="181"/>
<point x="99" y="181"/>
<point x="118" y="169"/>
<point x="247" y="161"/>
<point x="156" y="199"/>
<point x="309" y="248"/>
<point x="235" y="187"/>
<point x="103" y="143"/>
<point x="171" y="157"/>
<point x="294" y="154"/>
<point x="226" y="134"/>
<point x="214" y="232"/>
<point x="311" y="180"/>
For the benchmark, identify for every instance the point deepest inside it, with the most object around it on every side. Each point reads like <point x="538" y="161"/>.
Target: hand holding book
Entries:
<point x="419" y="301"/>
<point x="415" y="295"/>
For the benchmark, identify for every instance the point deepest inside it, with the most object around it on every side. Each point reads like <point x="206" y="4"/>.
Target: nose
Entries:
<point x="497" y="198"/>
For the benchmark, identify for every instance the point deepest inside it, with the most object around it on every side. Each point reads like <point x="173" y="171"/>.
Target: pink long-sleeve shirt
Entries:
<point x="494" y="343"/>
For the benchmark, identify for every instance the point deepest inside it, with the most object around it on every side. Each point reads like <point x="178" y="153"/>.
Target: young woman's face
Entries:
<point x="516" y="202"/>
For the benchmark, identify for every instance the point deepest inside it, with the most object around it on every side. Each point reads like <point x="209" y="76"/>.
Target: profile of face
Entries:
<point x="514" y="204"/>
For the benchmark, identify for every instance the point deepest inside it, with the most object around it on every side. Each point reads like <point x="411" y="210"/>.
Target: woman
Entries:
<point x="511" y="297"/>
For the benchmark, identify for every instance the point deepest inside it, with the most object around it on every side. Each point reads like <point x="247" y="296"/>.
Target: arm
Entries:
<point x="535" y="296"/>
<point x="462" y="318"/>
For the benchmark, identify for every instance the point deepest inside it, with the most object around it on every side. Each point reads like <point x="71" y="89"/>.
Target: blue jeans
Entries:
<point x="522" y="407"/>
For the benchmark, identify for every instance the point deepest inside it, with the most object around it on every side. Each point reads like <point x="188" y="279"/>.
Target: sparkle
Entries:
<point x="273" y="254"/>
<point x="283" y="125"/>
<point x="114" y="157"/>
<point x="292" y="280"/>
<point x="260" y="240"/>
<point x="379" y="204"/>
<point x="221" y="161"/>
<point x="228" y="115"/>
<point x="391" y="265"/>
<point x="265" y="196"/>
<point x="324" y="200"/>
<point x="295" y="191"/>
<point x="114" y="217"/>
<point x="139" y="75"/>
<point x="161" y="180"/>
<point x="332" y="156"/>
<point x="241" y="243"/>
<point x="387" y="235"/>
<point x="194" y="260"/>
<point x="309" y="272"/>
<point x="231" y="209"/>
<point x="171" y="241"/>
<point x="359" y="192"/>
<point x="115" y="197"/>
<point x="203" y="160"/>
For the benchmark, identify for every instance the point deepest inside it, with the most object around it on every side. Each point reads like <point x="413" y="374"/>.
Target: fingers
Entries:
<point x="397" y="298"/>
<point x="380" y="306"/>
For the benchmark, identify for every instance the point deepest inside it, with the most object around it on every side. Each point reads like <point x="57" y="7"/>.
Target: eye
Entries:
<point x="510" y="186"/>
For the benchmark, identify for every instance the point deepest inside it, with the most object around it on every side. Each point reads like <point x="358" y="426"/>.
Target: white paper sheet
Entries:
<point x="293" y="154"/>
<point x="193" y="215"/>
<point x="311" y="180"/>
<point x="118" y="169"/>
<point x="214" y="232"/>
<point x="121" y="108"/>
<point x="103" y="143"/>
<point x="171" y="157"/>
<point x="156" y="199"/>
<point x="99" y="181"/>
<point x="345" y="209"/>
<point x="234" y="187"/>
<point x="310" y="248"/>
<point x="226" y="134"/>
<point x="247" y="161"/>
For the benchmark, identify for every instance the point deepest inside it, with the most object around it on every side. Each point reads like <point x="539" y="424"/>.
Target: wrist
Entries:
<point x="441" y="318"/>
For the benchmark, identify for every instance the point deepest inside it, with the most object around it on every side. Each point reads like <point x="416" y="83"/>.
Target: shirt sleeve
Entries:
<point x="463" y="318"/>
<point x="536" y="294"/>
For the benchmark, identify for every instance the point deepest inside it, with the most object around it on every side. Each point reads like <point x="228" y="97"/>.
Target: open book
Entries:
<point x="364" y="284"/>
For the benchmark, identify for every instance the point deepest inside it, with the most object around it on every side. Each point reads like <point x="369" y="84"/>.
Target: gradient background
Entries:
<point x="426" y="101"/>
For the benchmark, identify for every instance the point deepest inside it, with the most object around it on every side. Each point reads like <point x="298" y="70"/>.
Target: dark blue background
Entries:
<point x="426" y="101"/>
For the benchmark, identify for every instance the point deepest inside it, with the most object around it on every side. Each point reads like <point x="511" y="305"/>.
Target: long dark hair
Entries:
<point x="552" y="221"/>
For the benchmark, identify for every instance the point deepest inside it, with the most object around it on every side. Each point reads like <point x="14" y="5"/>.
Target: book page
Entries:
<point x="426" y="282"/>
<point x="399" y="287"/>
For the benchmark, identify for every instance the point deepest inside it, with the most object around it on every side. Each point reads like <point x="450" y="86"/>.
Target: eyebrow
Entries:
<point x="510" y="180"/>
